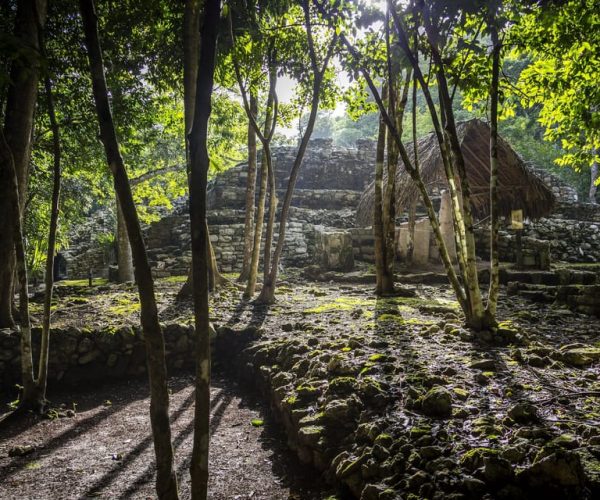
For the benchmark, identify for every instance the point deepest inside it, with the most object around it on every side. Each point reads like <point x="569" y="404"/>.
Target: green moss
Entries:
<point x="84" y="282"/>
<point x="174" y="279"/>
<point x="340" y="304"/>
<point x="377" y="357"/>
<point x="474" y="457"/>
<point x="461" y="393"/>
<point x="391" y="318"/>
<point x="124" y="307"/>
<point x="421" y="430"/>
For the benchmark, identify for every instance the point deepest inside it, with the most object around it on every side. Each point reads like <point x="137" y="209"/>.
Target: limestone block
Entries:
<point x="421" y="243"/>
<point x="334" y="249"/>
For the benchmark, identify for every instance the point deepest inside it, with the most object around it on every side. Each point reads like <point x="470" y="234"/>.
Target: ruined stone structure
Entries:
<point x="327" y="192"/>
<point x="322" y="220"/>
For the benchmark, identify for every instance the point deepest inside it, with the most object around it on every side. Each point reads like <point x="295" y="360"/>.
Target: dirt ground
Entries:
<point x="106" y="451"/>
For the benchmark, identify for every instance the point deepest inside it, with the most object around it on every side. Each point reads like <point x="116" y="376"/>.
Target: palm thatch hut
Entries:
<point x="518" y="188"/>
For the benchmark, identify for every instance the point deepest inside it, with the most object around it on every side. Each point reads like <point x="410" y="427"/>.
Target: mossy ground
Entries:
<point x="331" y="335"/>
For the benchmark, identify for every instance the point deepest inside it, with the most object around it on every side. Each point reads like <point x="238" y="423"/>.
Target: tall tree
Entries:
<point x="384" y="283"/>
<point x="436" y="24"/>
<point x="166" y="482"/>
<point x="250" y="194"/>
<point x="267" y="60"/>
<point x="54" y="212"/>
<point x="191" y="50"/>
<point x="318" y="66"/>
<point x="494" y="290"/>
<point x="15" y="149"/>
<point x="198" y="178"/>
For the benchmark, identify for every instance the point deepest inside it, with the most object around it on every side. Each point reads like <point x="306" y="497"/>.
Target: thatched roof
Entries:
<point x="518" y="188"/>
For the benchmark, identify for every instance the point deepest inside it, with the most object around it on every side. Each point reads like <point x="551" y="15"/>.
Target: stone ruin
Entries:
<point x="321" y="227"/>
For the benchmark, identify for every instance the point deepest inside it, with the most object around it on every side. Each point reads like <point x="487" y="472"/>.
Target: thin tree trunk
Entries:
<point x="29" y="396"/>
<point x="494" y="289"/>
<point x="410" y="249"/>
<point x="166" y="482"/>
<point x="191" y="51"/>
<point x="415" y="174"/>
<point x="389" y="191"/>
<point x="260" y="215"/>
<point x="476" y="315"/>
<point x="49" y="277"/>
<point x="124" y="255"/>
<point x="267" y="294"/>
<point x="265" y="163"/>
<point x="198" y="179"/>
<point x="380" y="259"/>
<point x="593" y="179"/>
<point x="270" y="229"/>
<point x="412" y="219"/>
<point x="18" y="124"/>
<point x="389" y="202"/>
<point x="250" y="194"/>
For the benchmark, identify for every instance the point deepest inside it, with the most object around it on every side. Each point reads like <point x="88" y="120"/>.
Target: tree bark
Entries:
<point x="260" y="210"/>
<point x="414" y="173"/>
<point x="250" y="195"/>
<point x="198" y="179"/>
<point x="54" y="212"/>
<point x="266" y="161"/>
<point x="593" y="179"/>
<point x="191" y="50"/>
<point x="476" y="315"/>
<point x="18" y="125"/>
<point x="267" y="294"/>
<point x="382" y="283"/>
<point x="28" y="396"/>
<point x="124" y="255"/>
<point x="166" y="482"/>
<point x="494" y="289"/>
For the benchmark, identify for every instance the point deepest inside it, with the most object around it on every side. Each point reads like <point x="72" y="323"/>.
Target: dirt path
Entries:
<point x="106" y="450"/>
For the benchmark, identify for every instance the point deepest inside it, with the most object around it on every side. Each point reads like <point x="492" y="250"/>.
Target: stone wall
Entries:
<point x="90" y="247"/>
<point x="562" y="191"/>
<point x="85" y="357"/>
<point x="572" y="233"/>
<point x="328" y="189"/>
<point x="81" y="356"/>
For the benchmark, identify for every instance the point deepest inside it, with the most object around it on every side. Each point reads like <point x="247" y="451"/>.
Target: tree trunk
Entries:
<point x="494" y="289"/>
<point x="166" y="482"/>
<point x="28" y="397"/>
<point x="270" y="229"/>
<point x="49" y="277"/>
<point x="382" y="283"/>
<point x="476" y="315"/>
<point x="198" y="179"/>
<point x="191" y="50"/>
<point x="18" y="125"/>
<point x="390" y="194"/>
<point x="124" y="256"/>
<point x="250" y="195"/>
<point x="410" y="248"/>
<point x="267" y="295"/>
<point x="593" y="178"/>
<point x="388" y="207"/>
<point x="265" y="162"/>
